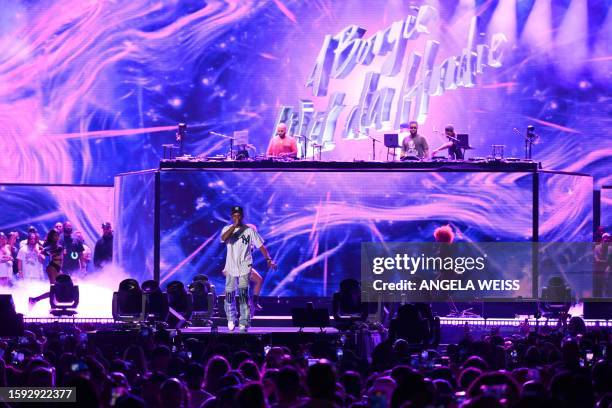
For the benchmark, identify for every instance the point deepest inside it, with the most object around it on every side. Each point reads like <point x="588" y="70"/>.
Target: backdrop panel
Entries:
<point x="606" y="207"/>
<point x="566" y="208"/>
<point x="134" y="241"/>
<point x="87" y="207"/>
<point x="314" y="222"/>
<point x="82" y="100"/>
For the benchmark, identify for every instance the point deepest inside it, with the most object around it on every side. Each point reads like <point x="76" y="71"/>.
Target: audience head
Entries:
<point x="351" y="381"/>
<point x="172" y="394"/>
<point x="497" y="384"/>
<point x="288" y="384"/>
<point x="468" y="376"/>
<point x="572" y="389"/>
<point x="382" y="387"/>
<point x="576" y="326"/>
<point x="216" y="368"/>
<point x="249" y="370"/>
<point x="231" y="379"/>
<point x="160" y="358"/>
<point x="321" y="380"/>
<point x="194" y="376"/>
<point x="41" y="377"/>
<point x="251" y="395"/>
<point x="52" y="236"/>
<point x="151" y="387"/>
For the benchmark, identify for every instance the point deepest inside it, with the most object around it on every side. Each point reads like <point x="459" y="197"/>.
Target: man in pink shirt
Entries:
<point x="282" y="145"/>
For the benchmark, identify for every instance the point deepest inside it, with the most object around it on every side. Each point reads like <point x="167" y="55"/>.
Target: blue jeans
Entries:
<point x="243" y="299"/>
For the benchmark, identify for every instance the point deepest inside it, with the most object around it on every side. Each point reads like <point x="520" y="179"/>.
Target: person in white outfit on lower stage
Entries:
<point x="239" y="238"/>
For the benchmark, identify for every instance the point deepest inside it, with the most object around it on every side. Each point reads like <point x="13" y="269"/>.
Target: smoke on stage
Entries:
<point x="95" y="294"/>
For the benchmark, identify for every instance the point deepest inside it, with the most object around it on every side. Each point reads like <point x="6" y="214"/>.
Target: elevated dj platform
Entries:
<point x="314" y="216"/>
<point x="294" y="165"/>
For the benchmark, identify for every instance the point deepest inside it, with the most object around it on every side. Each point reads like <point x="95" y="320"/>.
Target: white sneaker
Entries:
<point x="243" y="328"/>
<point x="231" y="325"/>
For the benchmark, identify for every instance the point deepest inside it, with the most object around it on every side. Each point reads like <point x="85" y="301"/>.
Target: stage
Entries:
<point x="281" y="331"/>
<point x="273" y="325"/>
<point x="283" y="323"/>
<point x="94" y="314"/>
<point x="314" y="217"/>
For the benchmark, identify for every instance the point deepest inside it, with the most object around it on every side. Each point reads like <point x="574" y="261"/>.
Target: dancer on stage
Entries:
<point x="55" y="252"/>
<point x="239" y="238"/>
<point x="256" y="279"/>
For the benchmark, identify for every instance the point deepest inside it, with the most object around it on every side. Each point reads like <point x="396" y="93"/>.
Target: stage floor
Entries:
<point x="452" y="330"/>
<point x="257" y="330"/>
<point x="96" y="303"/>
<point x="95" y="310"/>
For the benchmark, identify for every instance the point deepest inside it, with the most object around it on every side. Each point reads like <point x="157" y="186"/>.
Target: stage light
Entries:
<point x="309" y="317"/>
<point x="12" y="322"/>
<point x="200" y="294"/>
<point x="128" y="301"/>
<point x="180" y="304"/>
<point x="200" y="278"/>
<point x="63" y="296"/>
<point x="203" y="295"/>
<point x="155" y="301"/>
<point x="556" y="299"/>
<point x="347" y="306"/>
<point x="178" y="298"/>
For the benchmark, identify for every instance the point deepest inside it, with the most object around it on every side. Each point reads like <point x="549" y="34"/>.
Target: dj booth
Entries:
<point x="313" y="216"/>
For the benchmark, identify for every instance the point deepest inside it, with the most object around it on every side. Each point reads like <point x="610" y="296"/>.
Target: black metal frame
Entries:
<point x="157" y="228"/>
<point x="528" y="167"/>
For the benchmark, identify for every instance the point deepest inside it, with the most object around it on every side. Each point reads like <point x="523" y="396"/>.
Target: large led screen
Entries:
<point x="314" y="222"/>
<point x="135" y="240"/>
<point x="606" y="208"/>
<point x="41" y="206"/>
<point x="90" y="89"/>
<point x="565" y="208"/>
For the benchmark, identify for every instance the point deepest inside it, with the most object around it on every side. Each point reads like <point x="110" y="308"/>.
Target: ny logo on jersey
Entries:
<point x="245" y="239"/>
